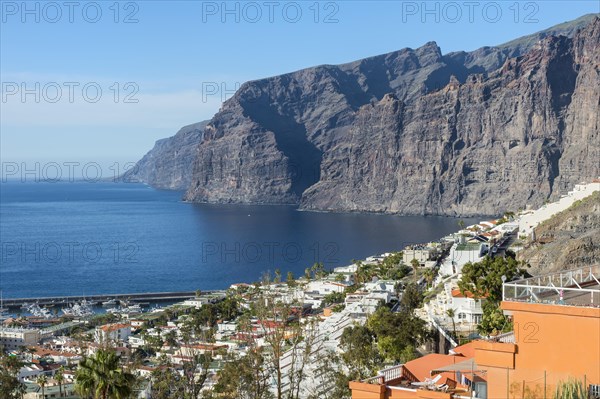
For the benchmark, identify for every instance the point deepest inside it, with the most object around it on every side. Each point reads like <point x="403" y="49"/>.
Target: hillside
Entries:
<point x="568" y="240"/>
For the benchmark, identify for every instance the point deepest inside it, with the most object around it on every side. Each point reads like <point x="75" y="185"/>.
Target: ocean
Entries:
<point x="82" y="238"/>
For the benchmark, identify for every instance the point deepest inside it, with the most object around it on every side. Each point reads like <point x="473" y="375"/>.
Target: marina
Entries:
<point x="107" y="300"/>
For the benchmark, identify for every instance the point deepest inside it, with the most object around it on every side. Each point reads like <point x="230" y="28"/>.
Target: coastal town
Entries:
<point x="457" y="318"/>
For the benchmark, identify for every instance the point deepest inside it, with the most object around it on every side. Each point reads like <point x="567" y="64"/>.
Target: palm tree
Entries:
<point x="102" y="377"/>
<point x="415" y="265"/>
<point x="42" y="380"/>
<point x="509" y="215"/>
<point x="60" y="378"/>
<point x="451" y="314"/>
<point x="277" y="279"/>
<point x="429" y="276"/>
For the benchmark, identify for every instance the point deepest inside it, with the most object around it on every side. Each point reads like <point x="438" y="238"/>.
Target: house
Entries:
<point x="556" y="319"/>
<point x="14" y="338"/>
<point x="467" y="309"/>
<point x="57" y="356"/>
<point x="433" y="376"/>
<point x="424" y="254"/>
<point x="226" y="327"/>
<point x="324" y="287"/>
<point x="556" y="337"/>
<point x="29" y="371"/>
<point x="118" y="332"/>
<point x="195" y="302"/>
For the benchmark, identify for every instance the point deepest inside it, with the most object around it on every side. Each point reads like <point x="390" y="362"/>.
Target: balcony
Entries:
<point x="397" y="383"/>
<point x="576" y="287"/>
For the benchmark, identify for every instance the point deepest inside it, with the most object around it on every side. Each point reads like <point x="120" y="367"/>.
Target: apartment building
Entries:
<point x="556" y="337"/>
<point x="14" y="338"/>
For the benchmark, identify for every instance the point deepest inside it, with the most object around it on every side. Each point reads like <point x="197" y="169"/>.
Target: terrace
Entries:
<point x="429" y="377"/>
<point x="576" y="287"/>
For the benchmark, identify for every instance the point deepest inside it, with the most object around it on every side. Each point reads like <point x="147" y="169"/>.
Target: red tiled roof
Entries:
<point x="466" y="350"/>
<point x="114" y="327"/>
<point x="421" y="367"/>
<point x="457" y="294"/>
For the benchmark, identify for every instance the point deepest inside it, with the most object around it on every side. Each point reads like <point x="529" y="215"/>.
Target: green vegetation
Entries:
<point x="245" y="378"/>
<point x="570" y="389"/>
<point x="397" y="334"/>
<point x="101" y="376"/>
<point x="10" y="387"/>
<point x="391" y="268"/>
<point x="386" y="338"/>
<point x="484" y="280"/>
<point x="334" y="298"/>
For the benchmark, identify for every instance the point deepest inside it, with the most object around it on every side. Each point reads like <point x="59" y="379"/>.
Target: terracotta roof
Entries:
<point x="114" y="327"/>
<point x="421" y="367"/>
<point x="466" y="350"/>
<point x="457" y="294"/>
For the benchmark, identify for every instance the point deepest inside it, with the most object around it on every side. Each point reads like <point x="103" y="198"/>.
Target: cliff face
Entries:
<point x="569" y="240"/>
<point x="517" y="136"/>
<point x="414" y="131"/>
<point x="169" y="164"/>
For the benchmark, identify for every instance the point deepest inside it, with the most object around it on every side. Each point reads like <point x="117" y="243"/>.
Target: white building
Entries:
<point x="118" y="332"/>
<point x="324" y="287"/>
<point x="30" y="372"/>
<point x="14" y="338"/>
<point x="195" y="302"/>
<point x="467" y="309"/>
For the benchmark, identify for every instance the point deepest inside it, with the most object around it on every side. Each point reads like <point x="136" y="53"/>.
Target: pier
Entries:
<point x="134" y="298"/>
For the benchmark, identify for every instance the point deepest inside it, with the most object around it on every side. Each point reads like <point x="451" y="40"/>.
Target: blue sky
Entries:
<point x="174" y="62"/>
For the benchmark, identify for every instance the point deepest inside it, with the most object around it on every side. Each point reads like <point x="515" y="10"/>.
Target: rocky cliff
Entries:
<point x="414" y="131"/>
<point x="569" y="240"/>
<point x="169" y="164"/>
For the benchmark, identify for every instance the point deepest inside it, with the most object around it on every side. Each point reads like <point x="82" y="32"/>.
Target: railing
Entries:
<point x="386" y="375"/>
<point x="577" y="287"/>
<point x="377" y="380"/>
<point x="392" y="373"/>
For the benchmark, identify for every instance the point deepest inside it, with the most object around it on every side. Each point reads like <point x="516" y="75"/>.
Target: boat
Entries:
<point x="136" y="308"/>
<point x="126" y="309"/>
<point x="39" y="311"/>
<point x="79" y="309"/>
<point x="110" y="303"/>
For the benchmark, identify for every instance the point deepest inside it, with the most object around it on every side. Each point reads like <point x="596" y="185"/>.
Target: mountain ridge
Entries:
<point x="307" y="137"/>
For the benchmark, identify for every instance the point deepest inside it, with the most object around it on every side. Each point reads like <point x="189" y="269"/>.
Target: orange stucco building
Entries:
<point x="556" y="336"/>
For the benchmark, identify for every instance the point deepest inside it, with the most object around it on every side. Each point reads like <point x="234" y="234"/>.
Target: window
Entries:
<point x="481" y="390"/>
<point x="594" y="392"/>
